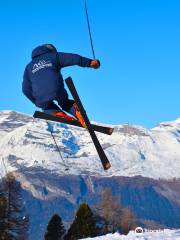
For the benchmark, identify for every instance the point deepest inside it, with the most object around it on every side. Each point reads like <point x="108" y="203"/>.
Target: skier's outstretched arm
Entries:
<point x="70" y="59"/>
<point x="26" y="87"/>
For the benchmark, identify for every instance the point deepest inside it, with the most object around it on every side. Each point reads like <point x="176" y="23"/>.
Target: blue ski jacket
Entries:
<point x="42" y="81"/>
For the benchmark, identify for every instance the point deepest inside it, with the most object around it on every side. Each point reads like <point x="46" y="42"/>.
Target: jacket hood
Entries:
<point x="40" y="50"/>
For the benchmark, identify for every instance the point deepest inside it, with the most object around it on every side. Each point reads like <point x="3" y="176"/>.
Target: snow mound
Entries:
<point x="149" y="235"/>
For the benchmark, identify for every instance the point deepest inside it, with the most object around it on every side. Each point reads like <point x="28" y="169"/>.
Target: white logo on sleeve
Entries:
<point x="40" y="65"/>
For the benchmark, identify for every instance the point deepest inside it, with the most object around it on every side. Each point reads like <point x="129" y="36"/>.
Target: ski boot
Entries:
<point x="76" y="113"/>
<point x="61" y="114"/>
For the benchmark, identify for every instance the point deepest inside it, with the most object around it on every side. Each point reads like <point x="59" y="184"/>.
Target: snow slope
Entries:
<point x="132" y="150"/>
<point x="158" y="235"/>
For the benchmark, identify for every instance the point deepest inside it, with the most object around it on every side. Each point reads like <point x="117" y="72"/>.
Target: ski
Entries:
<point x="97" y="128"/>
<point x="105" y="162"/>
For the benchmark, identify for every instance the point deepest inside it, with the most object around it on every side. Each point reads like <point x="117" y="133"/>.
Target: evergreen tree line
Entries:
<point x="13" y="224"/>
<point x="107" y="217"/>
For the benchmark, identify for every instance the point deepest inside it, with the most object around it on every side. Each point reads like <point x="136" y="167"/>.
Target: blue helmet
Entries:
<point x="50" y="46"/>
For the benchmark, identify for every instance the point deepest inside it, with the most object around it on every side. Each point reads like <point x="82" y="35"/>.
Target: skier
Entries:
<point x="43" y="83"/>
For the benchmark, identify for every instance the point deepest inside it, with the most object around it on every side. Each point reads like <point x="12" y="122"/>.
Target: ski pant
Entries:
<point x="60" y="101"/>
<point x="51" y="106"/>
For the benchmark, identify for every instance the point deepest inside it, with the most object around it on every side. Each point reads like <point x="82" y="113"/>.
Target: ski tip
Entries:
<point x="35" y="114"/>
<point x="111" y="131"/>
<point x="107" y="166"/>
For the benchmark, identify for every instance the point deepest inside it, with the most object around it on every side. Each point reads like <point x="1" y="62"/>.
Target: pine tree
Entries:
<point x="55" y="229"/>
<point x="3" y="218"/>
<point x="84" y="224"/>
<point x="14" y="223"/>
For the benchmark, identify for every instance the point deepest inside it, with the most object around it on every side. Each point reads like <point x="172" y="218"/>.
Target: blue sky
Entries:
<point x="138" y="43"/>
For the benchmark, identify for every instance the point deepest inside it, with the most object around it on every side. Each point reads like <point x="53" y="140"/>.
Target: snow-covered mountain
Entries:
<point x="145" y="169"/>
<point x="132" y="150"/>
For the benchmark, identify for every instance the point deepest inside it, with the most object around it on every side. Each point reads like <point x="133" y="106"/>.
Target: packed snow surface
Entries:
<point x="132" y="150"/>
<point x="149" y="235"/>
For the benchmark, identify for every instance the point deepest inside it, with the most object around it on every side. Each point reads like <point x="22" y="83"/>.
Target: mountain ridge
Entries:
<point x="132" y="150"/>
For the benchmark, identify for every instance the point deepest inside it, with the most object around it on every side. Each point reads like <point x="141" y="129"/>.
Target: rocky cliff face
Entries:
<point x="145" y="169"/>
